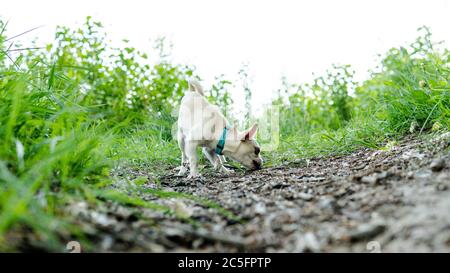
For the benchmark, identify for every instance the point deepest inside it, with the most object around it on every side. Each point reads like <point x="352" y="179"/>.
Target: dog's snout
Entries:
<point x="257" y="164"/>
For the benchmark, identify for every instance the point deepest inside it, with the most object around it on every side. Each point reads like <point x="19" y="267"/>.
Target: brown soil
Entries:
<point x="397" y="200"/>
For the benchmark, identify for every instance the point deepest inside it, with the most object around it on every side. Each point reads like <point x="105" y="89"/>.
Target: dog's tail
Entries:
<point x="195" y="86"/>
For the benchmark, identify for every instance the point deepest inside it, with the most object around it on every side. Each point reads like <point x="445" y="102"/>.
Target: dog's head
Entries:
<point x="246" y="151"/>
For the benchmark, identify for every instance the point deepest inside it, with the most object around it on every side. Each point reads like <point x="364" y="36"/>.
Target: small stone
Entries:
<point x="410" y="175"/>
<point x="102" y="219"/>
<point x="277" y="186"/>
<point x="423" y="174"/>
<point x="383" y="175"/>
<point x="365" y="232"/>
<point x="437" y="165"/>
<point x="79" y="209"/>
<point x="327" y="203"/>
<point x="372" y="179"/>
<point x="174" y="232"/>
<point x="305" y="196"/>
<point x="181" y="210"/>
<point x="311" y="242"/>
<point x="260" y="208"/>
<point x="107" y="242"/>
<point x="123" y="213"/>
<point x="360" y="166"/>
<point x="441" y="187"/>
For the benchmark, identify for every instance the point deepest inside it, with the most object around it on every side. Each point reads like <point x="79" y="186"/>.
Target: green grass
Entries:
<point x="408" y="94"/>
<point x="70" y="119"/>
<point x="144" y="147"/>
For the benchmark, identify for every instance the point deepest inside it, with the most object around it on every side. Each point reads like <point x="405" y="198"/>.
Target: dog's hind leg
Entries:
<point x="191" y="153"/>
<point x="184" y="161"/>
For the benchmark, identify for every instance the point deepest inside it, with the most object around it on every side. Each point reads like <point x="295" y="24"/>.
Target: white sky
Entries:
<point x="278" y="37"/>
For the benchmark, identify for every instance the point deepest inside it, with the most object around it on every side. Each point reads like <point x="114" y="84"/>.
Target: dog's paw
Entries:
<point x="194" y="176"/>
<point x="225" y="170"/>
<point x="182" y="171"/>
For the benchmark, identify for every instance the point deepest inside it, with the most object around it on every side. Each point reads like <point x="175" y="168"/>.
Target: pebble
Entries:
<point x="107" y="242"/>
<point x="181" y="209"/>
<point x="376" y="177"/>
<point x="260" y="208"/>
<point x="360" y="166"/>
<point x="437" y="165"/>
<point x="372" y="179"/>
<point x="366" y="232"/>
<point x="327" y="203"/>
<point x="311" y="242"/>
<point x="305" y="196"/>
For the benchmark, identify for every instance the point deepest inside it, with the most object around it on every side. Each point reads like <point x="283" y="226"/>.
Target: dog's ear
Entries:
<point x="191" y="86"/>
<point x="195" y="86"/>
<point x="250" y="133"/>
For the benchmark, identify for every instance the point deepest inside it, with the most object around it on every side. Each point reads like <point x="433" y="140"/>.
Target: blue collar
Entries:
<point x="221" y="144"/>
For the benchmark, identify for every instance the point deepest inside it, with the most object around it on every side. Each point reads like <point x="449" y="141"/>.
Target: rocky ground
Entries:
<point x="393" y="200"/>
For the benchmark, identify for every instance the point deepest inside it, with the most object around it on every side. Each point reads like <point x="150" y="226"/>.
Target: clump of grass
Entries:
<point x="67" y="117"/>
<point x="49" y="148"/>
<point x="413" y="86"/>
<point x="408" y="93"/>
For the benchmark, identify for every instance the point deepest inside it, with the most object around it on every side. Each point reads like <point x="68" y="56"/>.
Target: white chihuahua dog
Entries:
<point x="201" y="124"/>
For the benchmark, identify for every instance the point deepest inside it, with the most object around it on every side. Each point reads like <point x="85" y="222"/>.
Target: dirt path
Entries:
<point x="390" y="201"/>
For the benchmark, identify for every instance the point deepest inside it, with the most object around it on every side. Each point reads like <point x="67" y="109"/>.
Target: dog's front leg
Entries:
<point x="220" y="160"/>
<point x="216" y="160"/>
<point x="191" y="153"/>
<point x="210" y="155"/>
